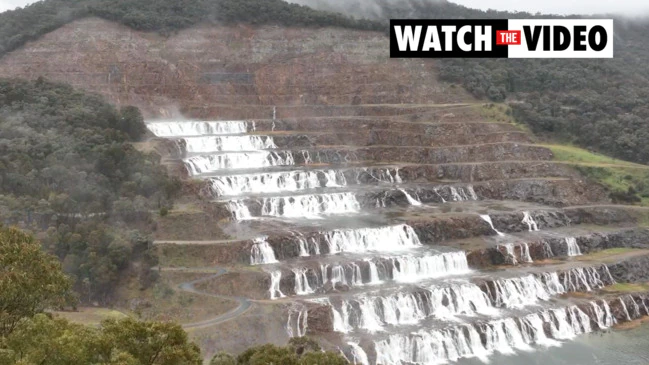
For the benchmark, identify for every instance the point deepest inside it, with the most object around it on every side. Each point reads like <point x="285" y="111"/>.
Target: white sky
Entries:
<point x="628" y="7"/>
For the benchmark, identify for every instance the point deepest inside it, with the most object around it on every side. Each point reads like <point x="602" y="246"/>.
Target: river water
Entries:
<point x="622" y="347"/>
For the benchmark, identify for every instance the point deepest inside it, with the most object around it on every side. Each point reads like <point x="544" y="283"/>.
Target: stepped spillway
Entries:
<point x="354" y="250"/>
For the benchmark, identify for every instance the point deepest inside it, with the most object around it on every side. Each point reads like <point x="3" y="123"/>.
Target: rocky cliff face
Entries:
<point x="236" y="72"/>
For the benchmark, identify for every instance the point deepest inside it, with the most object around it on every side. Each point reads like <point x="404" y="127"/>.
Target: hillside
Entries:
<point x="386" y="208"/>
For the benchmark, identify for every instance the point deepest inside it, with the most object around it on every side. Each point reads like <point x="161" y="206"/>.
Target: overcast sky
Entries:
<point x="628" y="7"/>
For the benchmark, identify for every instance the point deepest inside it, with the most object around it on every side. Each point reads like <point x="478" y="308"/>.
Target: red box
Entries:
<point x="508" y="37"/>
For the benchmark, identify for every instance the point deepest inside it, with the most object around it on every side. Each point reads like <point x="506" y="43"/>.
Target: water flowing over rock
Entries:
<point x="196" y="128"/>
<point x="275" y="182"/>
<point x="261" y="252"/>
<point x="197" y="165"/>
<point x="411" y="200"/>
<point x="299" y="206"/>
<point x="298" y="321"/>
<point x="573" y="247"/>
<point x="387" y="239"/>
<point x="531" y="224"/>
<point x="480" y="340"/>
<point x="227" y="143"/>
<point x="275" y="291"/>
<point x="487" y="219"/>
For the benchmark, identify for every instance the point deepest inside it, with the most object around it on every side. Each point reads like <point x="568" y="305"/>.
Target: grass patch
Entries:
<point x="627" y="288"/>
<point x="501" y="113"/>
<point x="626" y="182"/>
<point x="606" y="253"/>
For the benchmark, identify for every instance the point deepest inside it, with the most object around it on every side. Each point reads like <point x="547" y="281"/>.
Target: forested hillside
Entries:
<point x="68" y="169"/>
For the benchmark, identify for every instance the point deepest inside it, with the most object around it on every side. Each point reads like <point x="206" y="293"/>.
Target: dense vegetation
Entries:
<point x="32" y="282"/>
<point x="165" y="16"/>
<point x="299" y="351"/>
<point x="68" y="169"/>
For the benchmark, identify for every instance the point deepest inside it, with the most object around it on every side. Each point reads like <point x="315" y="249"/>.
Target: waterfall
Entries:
<point x="626" y="310"/>
<point x="440" y="195"/>
<point x="531" y="224"/>
<point x="388" y="238"/>
<point x="261" y="252"/>
<point x="547" y="250"/>
<point x="275" y="182"/>
<point x="359" y="357"/>
<point x="237" y="160"/>
<point x="302" y="282"/>
<point x="373" y="313"/>
<point x="228" y="143"/>
<point x="196" y="128"/>
<point x="472" y="193"/>
<point x="239" y="210"/>
<point x="511" y="252"/>
<point x="436" y="346"/>
<point x="307" y="247"/>
<point x="573" y="247"/>
<point x="301" y="321"/>
<point x="487" y="219"/>
<point x="413" y="268"/>
<point x="310" y="206"/>
<point x="603" y="316"/>
<point x="585" y="279"/>
<point x="524" y="291"/>
<point x="411" y="200"/>
<point x="275" y="278"/>
<point x="457" y="197"/>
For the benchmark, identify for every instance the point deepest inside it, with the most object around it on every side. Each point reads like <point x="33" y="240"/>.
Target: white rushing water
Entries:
<point x="196" y="128"/>
<point x="358" y="356"/>
<point x="228" y="143"/>
<point x="389" y="238"/>
<point x="531" y="224"/>
<point x="573" y="247"/>
<point x="310" y="206"/>
<point x="261" y="252"/>
<point x="274" y="182"/>
<point x="239" y="210"/>
<point x="237" y="160"/>
<point x="373" y="313"/>
<point x="487" y="219"/>
<point x="458" y="194"/>
<point x="437" y="346"/>
<point x="298" y="320"/>
<point x="510" y="249"/>
<point x="275" y="279"/>
<point x="407" y="268"/>
<point x="411" y="200"/>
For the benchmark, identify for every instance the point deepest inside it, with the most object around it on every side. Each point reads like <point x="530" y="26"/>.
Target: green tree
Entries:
<point x="46" y="341"/>
<point x="150" y="343"/>
<point x="223" y="358"/>
<point x="31" y="281"/>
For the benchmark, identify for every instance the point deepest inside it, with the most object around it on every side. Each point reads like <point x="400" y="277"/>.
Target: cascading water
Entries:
<point x="237" y="160"/>
<point x="239" y="210"/>
<point x="510" y="251"/>
<point x="196" y="128"/>
<point x="405" y="268"/>
<point x="458" y="194"/>
<point x="531" y="224"/>
<point x="298" y="320"/>
<point x="261" y="252"/>
<point x="411" y="200"/>
<point x="228" y="143"/>
<point x="505" y="335"/>
<point x="373" y="313"/>
<point x="573" y="247"/>
<point x="358" y="355"/>
<point x="487" y="219"/>
<point x="297" y="206"/>
<point x="388" y="238"/>
<point x="275" y="279"/>
<point x="276" y="182"/>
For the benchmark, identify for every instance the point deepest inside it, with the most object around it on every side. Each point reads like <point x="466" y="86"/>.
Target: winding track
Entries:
<point x="243" y="303"/>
